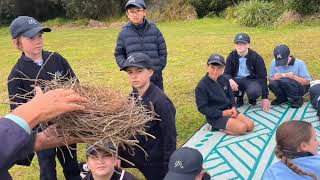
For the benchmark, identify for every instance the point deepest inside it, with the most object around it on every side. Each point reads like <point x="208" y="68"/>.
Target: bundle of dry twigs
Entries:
<point x="109" y="117"/>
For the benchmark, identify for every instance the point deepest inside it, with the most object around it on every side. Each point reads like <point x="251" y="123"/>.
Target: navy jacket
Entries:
<point x="213" y="97"/>
<point x="25" y="69"/>
<point x="255" y="65"/>
<point x="16" y="144"/>
<point x="315" y="97"/>
<point x="160" y="149"/>
<point x="145" y="38"/>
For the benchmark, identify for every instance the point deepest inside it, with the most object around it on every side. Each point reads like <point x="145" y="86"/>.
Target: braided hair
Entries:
<point x="289" y="136"/>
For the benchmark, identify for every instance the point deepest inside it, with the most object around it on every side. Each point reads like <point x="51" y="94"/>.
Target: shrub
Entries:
<point x="205" y="7"/>
<point x="257" y="13"/>
<point x="303" y="7"/>
<point x="93" y="9"/>
<point x="7" y="11"/>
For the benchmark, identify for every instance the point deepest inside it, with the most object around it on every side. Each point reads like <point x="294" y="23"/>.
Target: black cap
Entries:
<point x="281" y="54"/>
<point x="140" y="60"/>
<point x="26" y="26"/>
<point x="242" y="37"/>
<point x="216" y="59"/>
<point x="137" y="3"/>
<point x="184" y="164"/>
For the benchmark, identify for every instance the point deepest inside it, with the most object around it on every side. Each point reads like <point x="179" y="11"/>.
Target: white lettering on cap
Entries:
<point x="240" y="37"/>
<point x="178" y="164"/>
<point x="279" y="56"/>
<point x="131" y="59"/>
<point x="217" y="57"/>
<point x="31" y="21"/>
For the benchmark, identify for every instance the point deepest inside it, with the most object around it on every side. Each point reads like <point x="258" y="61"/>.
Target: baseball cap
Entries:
<point x="93" y="149"/>
<point x="184" y="164"/>
<point x="26" y="26"/>
<point x="281" y="54"/>
<point x="140" y="60"/>
<point x="137" y="3"/>
<point x="216" y="59"/>
<point x="242" y="37"/>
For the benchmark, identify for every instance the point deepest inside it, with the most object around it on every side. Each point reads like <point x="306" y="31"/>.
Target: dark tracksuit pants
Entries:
<point x="249" y="86"/>
<point x="314" y="95"/>
<point x="285" y="88"/>
<point x="47" y="163"/>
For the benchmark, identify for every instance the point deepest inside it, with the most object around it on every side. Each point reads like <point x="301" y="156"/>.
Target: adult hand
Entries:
<point x="45" y="106"/>
<point x="265" y="104"/>
<point x="234" y="85"/>
<point x="50" y="138"/>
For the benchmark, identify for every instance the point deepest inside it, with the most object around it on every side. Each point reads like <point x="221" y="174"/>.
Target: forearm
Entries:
<point x="44" y="141"/>
<point x="27" y="113"/>
<point x="301" y="80"/>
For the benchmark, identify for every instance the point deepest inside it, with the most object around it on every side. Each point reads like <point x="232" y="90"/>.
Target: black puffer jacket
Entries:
<point x="145" y="38"/>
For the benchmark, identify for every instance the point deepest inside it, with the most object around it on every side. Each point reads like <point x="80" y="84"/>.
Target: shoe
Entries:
<point x="253" y="102"/>
<point x="239" y="102"/>
<point x="297" y="104"/>
<point x="278" y="101"/>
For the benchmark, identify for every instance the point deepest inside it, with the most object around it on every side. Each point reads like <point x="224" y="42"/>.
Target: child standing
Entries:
<point x="215" y="100"/>
<point x="155" y="166"/>
<point x="141" y="35"/>
<point x="35" y="63"/>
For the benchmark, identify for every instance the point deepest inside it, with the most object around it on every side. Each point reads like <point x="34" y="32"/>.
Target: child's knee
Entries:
<point x="241" y="128"/>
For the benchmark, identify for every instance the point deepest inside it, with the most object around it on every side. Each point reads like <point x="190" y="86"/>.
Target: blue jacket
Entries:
<point x="16" y="144"/>
<point x="280" y="171"/>
<point x="213" y="97"/>
<point x="145" y="38"/>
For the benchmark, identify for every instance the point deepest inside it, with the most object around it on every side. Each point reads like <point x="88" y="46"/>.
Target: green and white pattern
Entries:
<point x="247" y="156"/>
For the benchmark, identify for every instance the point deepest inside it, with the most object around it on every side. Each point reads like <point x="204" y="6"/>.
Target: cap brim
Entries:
<point x="177" y="176"/>
<point x="282" y="62"/>
<point x="216" y="62"/>
<point x="32" y="32"/>
<point x="135" y="65"/>
<point x="243" y="41"/>
<point x="133" y="4"/>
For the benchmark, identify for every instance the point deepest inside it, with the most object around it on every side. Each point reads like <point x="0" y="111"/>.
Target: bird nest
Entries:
<point x="109" y="117"/>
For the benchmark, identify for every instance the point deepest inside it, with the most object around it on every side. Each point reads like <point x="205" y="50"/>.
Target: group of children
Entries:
<point x="141" y="53"/>
<point x="245" y="73"/>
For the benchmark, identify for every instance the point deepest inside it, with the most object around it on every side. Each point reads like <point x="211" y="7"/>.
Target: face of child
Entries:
<point x="312" y="145"/>
<point x="101" y="164"/>
<point x="32" y="47"/>
<point x="241" y="47"/>
<point x="136" y="15"/>
<point x="139" y="77"/>
<point x="215" y="71"/>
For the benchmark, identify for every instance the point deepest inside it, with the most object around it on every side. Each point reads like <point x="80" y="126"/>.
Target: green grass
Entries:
<point x="189" y="45"/>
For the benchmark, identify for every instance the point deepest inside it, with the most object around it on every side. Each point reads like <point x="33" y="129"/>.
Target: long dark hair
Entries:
<point x="289" y="136"/>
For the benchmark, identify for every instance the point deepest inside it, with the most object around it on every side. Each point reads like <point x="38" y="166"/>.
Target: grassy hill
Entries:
<point x="90" y="53"/>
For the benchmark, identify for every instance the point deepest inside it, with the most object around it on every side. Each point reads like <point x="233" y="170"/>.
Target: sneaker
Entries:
<point x="239" y="102"/>
<point x="278" y="101"/>
<point x="253" y="102"/>
<point x="297" y="104"/>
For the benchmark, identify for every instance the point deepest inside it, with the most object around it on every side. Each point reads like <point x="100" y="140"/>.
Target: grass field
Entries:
<point x="90" y="53"/>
